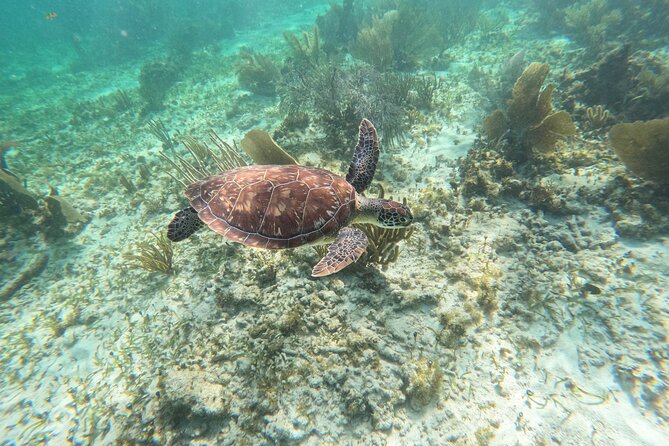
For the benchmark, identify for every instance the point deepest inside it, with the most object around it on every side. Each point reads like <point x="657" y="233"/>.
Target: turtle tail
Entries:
<point x="183" y="225"/>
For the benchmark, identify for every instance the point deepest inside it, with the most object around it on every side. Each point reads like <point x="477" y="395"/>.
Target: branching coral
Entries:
<point x="425" y="88"/>
<point x="530" y="124"/>
<point x="339" y="25"/>
<point x="383" y="244"/>
<point x="307" y="50"/>
<point x="383" y="248"/>
<point x="374" y="42"/>
<point x="644" y="148"/>
<point x="257" y="72"/>
<point x="341" y="96"/>
<point x="596" y="117"/>
<point x="205" y="162"/>
<point x="154" y="257"/>
<point x="103" y="107"/>
<point x="592" y="21"/>
<point x="403" y="33"/>
<point x="158" y="129"/>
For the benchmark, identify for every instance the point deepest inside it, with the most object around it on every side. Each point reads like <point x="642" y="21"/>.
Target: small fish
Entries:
<point x="52" y="15"/>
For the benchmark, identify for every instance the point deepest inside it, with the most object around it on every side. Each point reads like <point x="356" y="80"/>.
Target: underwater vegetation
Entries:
<point x="339" y="26"/>
<point x="14" y="197"/>
<point x="155" y="79"/>
<point x="630" y="87"/>
<point x="257" y="72"/>
<point x="530" y="123"/>
<point x="400" y="34"/>
<point x="205" y="162"/>
<point x="525" y="304"/>
<point x="383" y="248"/>
<point x="52" y="214"/>
<point x="644" y="148"/>
<point x="423" y="383"/>
<point x="592" y="22"/>
<point x="305" y="50"/>
<point x="339" y="96"/>
<point x="384" y="37"/>
<point x="601" y="24"/>
<point x="153" y="256"/>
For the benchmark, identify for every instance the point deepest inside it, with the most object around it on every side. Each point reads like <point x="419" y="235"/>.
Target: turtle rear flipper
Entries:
<point x="349" y="245"/>
<point x="183" y="225"/>
<point x="366" y="155"/>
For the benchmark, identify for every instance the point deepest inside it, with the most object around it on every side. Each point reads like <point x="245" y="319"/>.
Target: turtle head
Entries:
<point x="384" y="213"/>
<point x="394" y="214"/>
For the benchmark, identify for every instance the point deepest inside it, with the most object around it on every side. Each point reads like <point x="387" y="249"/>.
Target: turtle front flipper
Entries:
<point x="183" y="225"/>
<point x="349" y="245"/>
<point x="363" y="165"/>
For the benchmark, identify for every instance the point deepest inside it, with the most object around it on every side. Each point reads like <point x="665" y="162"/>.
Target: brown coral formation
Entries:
<point x="257" y="72"/>
<point x="13" y="195"/>
<point x="262" y="149"/>
<point x="644" y="148"/>
<point x="530" y="123"/>
<point x="374" y="43"/>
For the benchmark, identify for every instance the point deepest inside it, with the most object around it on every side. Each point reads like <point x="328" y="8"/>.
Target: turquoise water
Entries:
<point x="525" y="303"/>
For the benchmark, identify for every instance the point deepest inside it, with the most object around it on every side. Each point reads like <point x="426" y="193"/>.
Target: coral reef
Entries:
<point x="193" y="397"/>
<point x="205" y="161"/>
<point x="153" y="257"/>
<point x="305" y="52"/>
<point x="258" y="73"/>
<point x="593" y="22"/>
<point x="339" y="25"/>
<point x="340" y="96"/>
<point x="607" y="82"/>
<point x="638" y="209"/>
<point x="63" y="217"/>
<point x="155" y="79"/>
<point x="407" y="34"/>
<point x="423" y="381"/>
<point x="292" y="125"/>
<point x="456" y="322"/>
<point x="383" y="248"/>
<point x="158" y="129"/>
<point x="14" y="197"/>
<point x="596" y="117"/>
<point x="105" y="107"/>
<point x="528" y="303"/>
<point x="644" y="148"/>
<point x="530" y="124"/>
<point x="486" y="172"/>
<point x="374" y="42"/>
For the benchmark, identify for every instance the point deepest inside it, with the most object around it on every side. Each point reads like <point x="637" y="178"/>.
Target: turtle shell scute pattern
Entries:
<point x="274" y="207"/>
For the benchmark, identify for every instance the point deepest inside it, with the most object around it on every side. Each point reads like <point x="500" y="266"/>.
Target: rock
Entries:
<point x="14" y="197"/>
<point x="197" y="392"/>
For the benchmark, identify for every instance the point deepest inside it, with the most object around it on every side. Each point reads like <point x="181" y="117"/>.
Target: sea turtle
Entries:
<point x="286" y="206"/>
